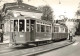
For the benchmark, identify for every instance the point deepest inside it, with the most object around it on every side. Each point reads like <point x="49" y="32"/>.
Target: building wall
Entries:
<point x="6" y="29"/>
<point x="27" y="14"/>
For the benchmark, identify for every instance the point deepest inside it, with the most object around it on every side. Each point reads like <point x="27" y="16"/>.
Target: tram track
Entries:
<point x="14" y="48"/>
<point x="8" y="49"/>
<point x="33" y="50"/>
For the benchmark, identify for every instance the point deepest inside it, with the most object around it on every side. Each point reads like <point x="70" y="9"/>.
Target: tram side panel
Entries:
<point x="43" y="31"/>
<point x="55" y="32"/>
<point x="22" y="37"/>
<point x="43" y="36"/>
<point x="59" y="36"/>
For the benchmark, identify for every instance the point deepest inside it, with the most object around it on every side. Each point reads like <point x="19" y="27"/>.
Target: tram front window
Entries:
<point x="56" y="29"/>
<point x="27" y="25"/>
<point x="21" y="25"/>
<point x="48" y="28"/>
<point x="15" y="25"/>
<point x="42" y="28"/>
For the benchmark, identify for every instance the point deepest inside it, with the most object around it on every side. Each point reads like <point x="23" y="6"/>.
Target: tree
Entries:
<point x="47" y="13"/>
<point x="78" y="13"/>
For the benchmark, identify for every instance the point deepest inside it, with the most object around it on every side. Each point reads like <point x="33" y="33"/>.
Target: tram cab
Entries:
<point x="20" y="30"/>
<point x="25" y="30"/>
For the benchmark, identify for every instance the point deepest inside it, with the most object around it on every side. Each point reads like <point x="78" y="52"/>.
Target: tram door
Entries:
<point x="15" y="30"/>
<point x="33" y="30"/>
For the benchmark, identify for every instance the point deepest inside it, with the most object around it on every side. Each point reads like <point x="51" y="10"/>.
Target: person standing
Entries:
<point x="70" y="36"/>
<point x="2" y="32"/>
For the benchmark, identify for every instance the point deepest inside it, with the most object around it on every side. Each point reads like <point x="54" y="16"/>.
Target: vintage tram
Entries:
<point x="60" y="32"/>
<point x="25" y="30"/>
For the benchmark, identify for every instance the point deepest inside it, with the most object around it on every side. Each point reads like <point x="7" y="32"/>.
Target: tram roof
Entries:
<point x="60" y="24"/>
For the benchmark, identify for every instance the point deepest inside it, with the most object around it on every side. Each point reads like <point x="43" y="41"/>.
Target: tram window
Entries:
<point x="56" y="29"/>
<point x="15" y="25"/>
<point x="27" y="25"/>
<point x="42" y="28"/>
<point x="62" y="29"/>
<point x="21" y="25"/>
<point x="27" y="21"/>
<point x="48" y="28"/>
<point x="38" y="27"/>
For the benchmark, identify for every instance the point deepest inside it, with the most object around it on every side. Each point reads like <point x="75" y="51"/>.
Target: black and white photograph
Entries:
<point x="39" y="27"/>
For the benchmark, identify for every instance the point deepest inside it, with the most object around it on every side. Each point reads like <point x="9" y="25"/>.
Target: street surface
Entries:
<point x="71" y="50"/>
<point x="32" y="50"/>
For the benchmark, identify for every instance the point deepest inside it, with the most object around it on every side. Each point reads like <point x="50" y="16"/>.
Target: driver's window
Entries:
<point x="21" y="25"/>
<point x="27" y="25"/>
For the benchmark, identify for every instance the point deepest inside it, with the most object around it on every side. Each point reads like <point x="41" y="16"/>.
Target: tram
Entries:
<point x="60" y="32"/>
<point x="25" y="30"/>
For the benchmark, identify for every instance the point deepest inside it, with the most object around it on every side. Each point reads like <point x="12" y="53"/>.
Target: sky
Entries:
<point x="67" y="7"/>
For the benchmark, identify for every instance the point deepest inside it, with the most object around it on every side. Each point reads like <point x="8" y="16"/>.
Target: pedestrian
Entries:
<point x="2" y="33"/>
<point x="70" y="36"/>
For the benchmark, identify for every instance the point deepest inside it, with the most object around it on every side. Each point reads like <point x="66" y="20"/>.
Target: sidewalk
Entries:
<point x="4" y="45"/>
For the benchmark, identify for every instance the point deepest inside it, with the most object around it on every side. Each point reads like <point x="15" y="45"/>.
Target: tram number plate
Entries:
<point x="21" y="36"/>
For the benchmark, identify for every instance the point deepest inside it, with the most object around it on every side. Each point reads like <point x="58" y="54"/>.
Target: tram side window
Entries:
<point x="21" y="25"/>
<point x="62" y="29"/>
<point x="42" y="28"/>
<point x="15" y="25"/>
<point x="48" y="28"/>
<point x="27" y="25"/>
<point x="38" y="27"/>
<point x="56" y="29"/>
